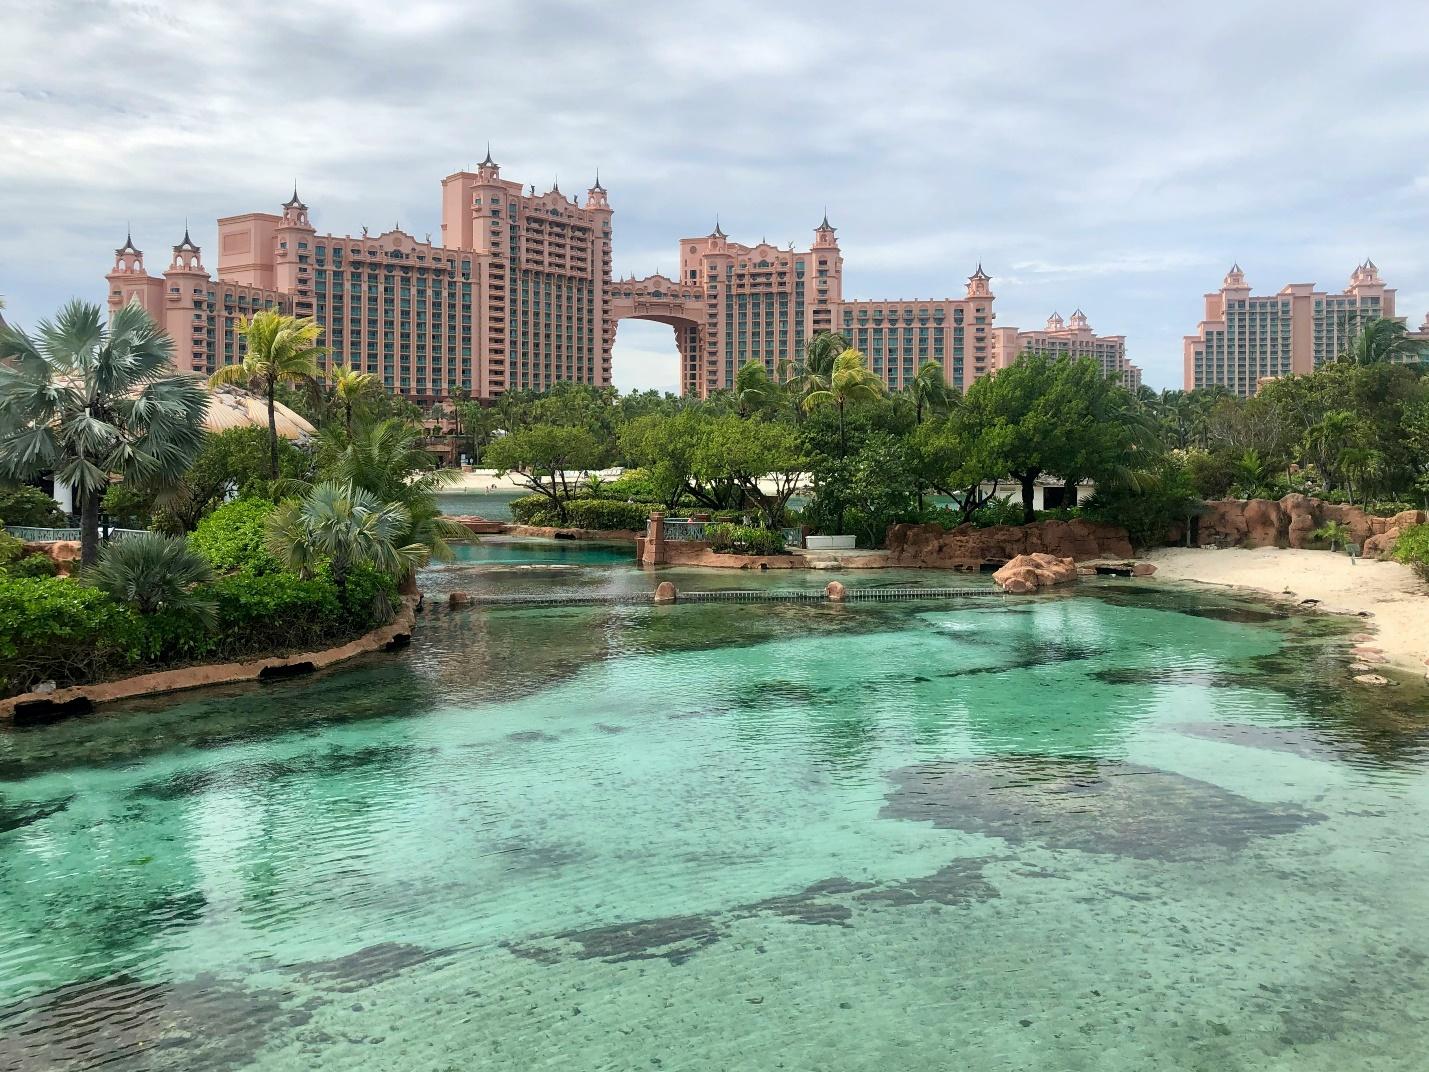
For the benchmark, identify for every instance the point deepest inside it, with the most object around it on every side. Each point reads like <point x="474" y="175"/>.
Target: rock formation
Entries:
<point x="969" y="547"/>
<point x="1290" y="521"/>
<point x="1027" y="573"/>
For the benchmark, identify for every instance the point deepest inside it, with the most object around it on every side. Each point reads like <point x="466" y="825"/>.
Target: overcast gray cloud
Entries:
<point x="1113" y="156"/>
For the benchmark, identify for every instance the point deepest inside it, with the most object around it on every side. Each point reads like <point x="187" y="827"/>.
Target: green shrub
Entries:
<point x="1412" y="548"/>
<point x="581" y="513"/>
<point x="21" y="504"/>
<point x="368" y="599"/>
<point x="1148" y="515"/>
<point x="35" y="565"/>
<point x="998" y="512"/>
<point x="12" y="549"/>
<point x="258" y="612"/>
<point x="634" y="485"/>
<point x="743" y="540"/>
<point x="127" y="507"/>
<point x="54" y="629"/>
<point x="232" y="538"/>
<point x="532" y="510"/>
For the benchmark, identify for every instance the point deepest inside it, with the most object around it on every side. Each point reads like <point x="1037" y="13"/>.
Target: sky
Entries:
<point x="1115" y="157"/>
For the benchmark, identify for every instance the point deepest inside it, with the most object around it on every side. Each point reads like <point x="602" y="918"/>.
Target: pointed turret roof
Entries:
<point x="824" y="224"/>
<point x="294" y="201"/>
<point x="488" y="162"/>
<point x="187" y="243"/>
<point x="979" y="274"/>
<point x="597" y="185"/>
<point x="717" y="233"/>
<point x="129" y="246"/>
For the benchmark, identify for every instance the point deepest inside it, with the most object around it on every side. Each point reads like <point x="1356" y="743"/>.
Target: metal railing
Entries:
<point x="36" y="534"/>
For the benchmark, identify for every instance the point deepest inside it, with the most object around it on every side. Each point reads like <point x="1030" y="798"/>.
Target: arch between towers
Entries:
<point x="664" y="302"/>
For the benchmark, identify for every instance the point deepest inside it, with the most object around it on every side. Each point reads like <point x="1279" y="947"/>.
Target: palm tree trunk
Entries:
<point x="843" y="442"/>
<point x="1029" y="492"/>
<point x="88" y="528"/>
<point x="347" y="417"/>
<point x="272" y="430"/>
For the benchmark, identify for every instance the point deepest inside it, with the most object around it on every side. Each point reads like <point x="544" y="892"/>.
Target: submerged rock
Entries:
<point x="1091" y="805"/>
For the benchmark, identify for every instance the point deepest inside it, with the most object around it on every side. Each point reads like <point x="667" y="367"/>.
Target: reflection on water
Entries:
<point x="1114" y="828"/>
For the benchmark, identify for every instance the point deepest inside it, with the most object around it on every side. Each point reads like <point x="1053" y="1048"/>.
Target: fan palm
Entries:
<point x="387" y="460"/>
<point x="344" y="526"/>
<point x="850" y="381"/>
<point x="351" y="389"/>
<point x="281" y="349"/>
<point x="753" y="388"/>
<point x="154" y="573"/>
<point x="85" y="401"/>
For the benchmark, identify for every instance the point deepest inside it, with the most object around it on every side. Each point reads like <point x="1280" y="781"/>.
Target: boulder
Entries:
<point x="1381" y="545"/>
<point x="665" y="592"/>
<point x="1027" y="573"/>
<point x="1372" y="679"/>
<point x="934" y="547"/>
<point x="835" y="591"/>
<point x="458" y="599"/>
<point x="1143" y="569"/>
<point x="1266" y="523"/>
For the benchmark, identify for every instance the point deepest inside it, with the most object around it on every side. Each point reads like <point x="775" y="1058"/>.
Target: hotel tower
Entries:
<point x="519" y="296"/>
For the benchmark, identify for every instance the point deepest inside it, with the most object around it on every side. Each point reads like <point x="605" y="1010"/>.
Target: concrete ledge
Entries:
<point x="568" y="533"/>
<point x="78" y="699"/>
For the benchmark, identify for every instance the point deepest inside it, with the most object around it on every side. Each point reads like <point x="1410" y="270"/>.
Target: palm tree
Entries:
<point x="1360" y="464"/>
<point x="350" y="389"/>
<point x="930" y="391"/>
<point x="811" y="374"/>
<point x="1378" y="340"/>
<point x="1335" y="533"/>
<point x="752" y="388"/>
<point x="281" y="349"/>
<point x="850" y="381"/>
<point x="344" y="526"/>
<point x="154" y="573"/>
<point x="85" y="401"/>
<point x="387" y="460"/>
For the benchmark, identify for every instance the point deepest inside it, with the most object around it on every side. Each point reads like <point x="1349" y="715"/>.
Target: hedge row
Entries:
<point x="57" y="629"/>
<point x="581" y="513"/>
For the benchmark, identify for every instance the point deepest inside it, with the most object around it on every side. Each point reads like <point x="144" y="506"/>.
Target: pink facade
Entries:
<point x="1072" y="338"/>
<point x="1245" y="339"/>
<point x="519" y="296"/>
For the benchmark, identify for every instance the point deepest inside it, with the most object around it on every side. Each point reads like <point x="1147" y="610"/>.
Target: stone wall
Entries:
<point x="1288" y="522"/>
<point x="969" y="547"/>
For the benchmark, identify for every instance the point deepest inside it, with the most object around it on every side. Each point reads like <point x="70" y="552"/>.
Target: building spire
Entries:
<point x="488" y="162"/>
<point x="717" y="233"/>
<point x="597" y="185"/>
<point x="294" y="201"/>
<point x="824" y="225"/>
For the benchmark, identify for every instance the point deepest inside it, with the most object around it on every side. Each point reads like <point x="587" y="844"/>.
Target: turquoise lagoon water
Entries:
<point x="1114" y="829"/>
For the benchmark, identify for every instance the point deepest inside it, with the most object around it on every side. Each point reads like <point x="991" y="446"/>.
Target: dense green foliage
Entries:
<point x="21" y="504"/>
<point x="581" y="513"/>
<point x="234" y="538"/>
<point x="743" y="539"/>
<point x="1412" y="549"/>
<point x="14" y="562"/>
<point x="52" y="629"/>
<point x="1149" y="512"/>
<point x="154" y="574"/>
<point x="85" y="399"/>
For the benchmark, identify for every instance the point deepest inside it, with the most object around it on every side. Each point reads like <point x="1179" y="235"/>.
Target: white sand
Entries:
<point x="1397" y="599"/>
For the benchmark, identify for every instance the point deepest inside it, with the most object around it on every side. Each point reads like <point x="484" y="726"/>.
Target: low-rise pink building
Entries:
<point x="1073" y="339"/>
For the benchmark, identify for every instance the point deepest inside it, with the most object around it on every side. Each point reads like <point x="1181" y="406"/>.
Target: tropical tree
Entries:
<point x="352" y="389"/>
<point x="753" y="389"/>
<point x="931" y="392"/>
<point x="1335" y="533"/>
<point x="812" y="372"/>
<point x="281" y="349"/>
<point x="343" y="526"/>
<point x="86" y="401"/>
<point x="387" y="460"/>
<point x="154" y="573"/>
<point x="1380" y="340"/>
<point x="850" y="382"/>
<point x="547" y="458"/>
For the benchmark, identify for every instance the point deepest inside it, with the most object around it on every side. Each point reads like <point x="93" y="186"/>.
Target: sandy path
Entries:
<point x="1397" y="599"/>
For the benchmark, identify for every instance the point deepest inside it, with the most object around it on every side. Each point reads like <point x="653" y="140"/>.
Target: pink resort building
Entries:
<point x="1072" y="338"/>
<point x="518" y="295"/>
<point x="1245" y="339"/>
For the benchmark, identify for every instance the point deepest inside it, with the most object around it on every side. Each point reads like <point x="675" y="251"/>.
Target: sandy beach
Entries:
<point x="1397" y="599"/>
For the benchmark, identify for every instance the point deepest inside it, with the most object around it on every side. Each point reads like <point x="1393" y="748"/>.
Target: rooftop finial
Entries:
<point x="488" y="162"/>
<point x="294" y="201"/>
<point x="597" y="185"/>
<point x="825" y="225"/>
<point x="717" y="233"/>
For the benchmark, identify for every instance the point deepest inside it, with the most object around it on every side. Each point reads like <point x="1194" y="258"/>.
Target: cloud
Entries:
<point x="1100" y="154"/>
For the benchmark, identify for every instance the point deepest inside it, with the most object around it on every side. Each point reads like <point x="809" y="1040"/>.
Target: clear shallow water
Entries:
<point x="1116" y="829"/>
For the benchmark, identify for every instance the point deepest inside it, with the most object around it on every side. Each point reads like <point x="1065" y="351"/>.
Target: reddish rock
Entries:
<point x="835" y="591"/>
<point x="458" y="599"/>
<point x="1143" y="569"/>
<point x="1292" y="521"/>
<point x="966" y="546"/>
<point x="665" y="592"/>
<point x="1027" y="573"/>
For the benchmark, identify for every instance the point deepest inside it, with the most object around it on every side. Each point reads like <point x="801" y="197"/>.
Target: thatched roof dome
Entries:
<point x="232" y="407"/>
